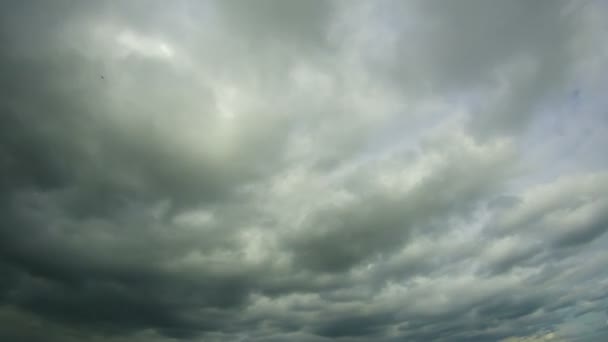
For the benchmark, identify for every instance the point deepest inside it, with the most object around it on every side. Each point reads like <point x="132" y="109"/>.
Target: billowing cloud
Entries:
<point x="303" y="170"/>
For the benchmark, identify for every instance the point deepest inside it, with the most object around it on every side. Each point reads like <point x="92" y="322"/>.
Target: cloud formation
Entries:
<point x="303" y="170"/>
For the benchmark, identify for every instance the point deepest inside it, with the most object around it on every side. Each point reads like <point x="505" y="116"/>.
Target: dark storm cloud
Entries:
<point x="214" y="171"/>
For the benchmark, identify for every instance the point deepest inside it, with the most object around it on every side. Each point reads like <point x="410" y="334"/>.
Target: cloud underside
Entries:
<point x="303" y="170"/>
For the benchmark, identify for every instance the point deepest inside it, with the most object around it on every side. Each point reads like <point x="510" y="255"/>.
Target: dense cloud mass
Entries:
<point x="285" y="170"/>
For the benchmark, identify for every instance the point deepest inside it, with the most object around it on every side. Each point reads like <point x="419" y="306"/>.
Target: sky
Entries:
<point x="309" y="171"/>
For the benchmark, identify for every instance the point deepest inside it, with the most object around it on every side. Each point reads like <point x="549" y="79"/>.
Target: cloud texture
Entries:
<point x="303" y="170"/>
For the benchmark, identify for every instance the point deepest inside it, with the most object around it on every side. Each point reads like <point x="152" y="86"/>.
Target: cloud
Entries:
<point x="543" y="337"/>
<point x="508" y="56"/>
<point x="307" y="171"/>
<point x="566" y="220"/>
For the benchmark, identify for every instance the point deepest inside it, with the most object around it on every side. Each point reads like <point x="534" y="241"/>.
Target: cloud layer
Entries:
<point x="303" y="170"/>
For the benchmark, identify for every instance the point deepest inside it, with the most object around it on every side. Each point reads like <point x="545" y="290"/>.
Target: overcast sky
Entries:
<point x="303" y="170"/>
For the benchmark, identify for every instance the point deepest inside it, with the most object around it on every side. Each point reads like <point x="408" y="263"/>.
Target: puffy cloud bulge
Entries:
<point x="303" y="170"/>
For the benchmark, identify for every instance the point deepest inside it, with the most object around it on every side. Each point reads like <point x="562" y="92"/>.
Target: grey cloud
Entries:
<point x="569" y="212"/>
<point x="336" y="238"/>
<point x="286" y="170"/>
<point x="285" y="22"/>
<point x="517" y="53"/>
